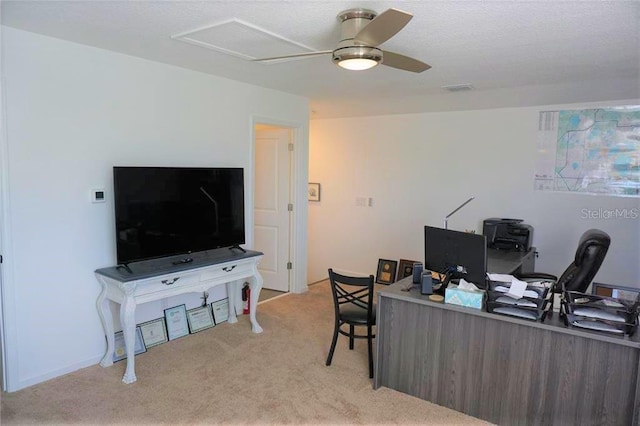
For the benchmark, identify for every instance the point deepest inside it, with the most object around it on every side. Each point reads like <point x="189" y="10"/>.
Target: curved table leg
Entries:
<point x="104" y="310"/>
<point x="255" y="284"/>
<point x="128" y="322"/>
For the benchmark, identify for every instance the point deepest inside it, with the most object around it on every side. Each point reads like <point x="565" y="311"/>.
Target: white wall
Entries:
<point x="73" y="113"/>
<point x="419" y="167"/>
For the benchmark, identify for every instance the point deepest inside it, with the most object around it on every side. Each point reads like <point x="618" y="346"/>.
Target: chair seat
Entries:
<point x="355" y="315"/>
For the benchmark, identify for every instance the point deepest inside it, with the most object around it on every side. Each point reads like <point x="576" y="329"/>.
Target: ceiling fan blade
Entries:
<point x="295" y="55"/>
<point x="402" y="62"/>
<point x="383" y="27"/>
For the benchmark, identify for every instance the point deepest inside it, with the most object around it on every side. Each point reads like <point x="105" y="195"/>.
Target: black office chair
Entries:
<point x="353" y="304"/>
<point x="591" y="251"/>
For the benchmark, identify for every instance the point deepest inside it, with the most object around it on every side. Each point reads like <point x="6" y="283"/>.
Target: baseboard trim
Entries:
<point x="274" y="298"/>
<point x="56" y="373"/>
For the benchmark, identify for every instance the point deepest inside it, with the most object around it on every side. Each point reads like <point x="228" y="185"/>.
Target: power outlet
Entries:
<point x="364" y="201"/>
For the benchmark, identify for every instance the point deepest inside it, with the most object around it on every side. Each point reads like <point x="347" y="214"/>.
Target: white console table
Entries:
<point x="158" y="279"/>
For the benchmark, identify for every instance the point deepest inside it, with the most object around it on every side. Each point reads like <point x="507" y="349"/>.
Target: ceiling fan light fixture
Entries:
<point x="357" y="64"/>
<point x="357" y="58"/>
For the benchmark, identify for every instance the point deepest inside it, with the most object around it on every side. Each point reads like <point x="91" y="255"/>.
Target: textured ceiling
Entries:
<point x="513" y="53"/>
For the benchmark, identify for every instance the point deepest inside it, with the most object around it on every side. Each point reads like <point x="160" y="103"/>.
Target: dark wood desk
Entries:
<point x="502" y="369"/>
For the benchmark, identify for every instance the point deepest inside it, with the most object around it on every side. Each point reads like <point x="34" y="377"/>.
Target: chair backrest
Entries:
<point x="591" y="251"/>
<point x="357" y="291"/>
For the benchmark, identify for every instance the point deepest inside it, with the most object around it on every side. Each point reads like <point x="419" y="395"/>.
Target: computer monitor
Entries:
<point x="459" y="254"/>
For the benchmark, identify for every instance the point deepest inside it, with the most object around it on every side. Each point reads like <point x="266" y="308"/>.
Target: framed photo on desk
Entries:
<point x="616" y="291"/>
<point x="405" y="269"/>
<point x="386" y="271"/>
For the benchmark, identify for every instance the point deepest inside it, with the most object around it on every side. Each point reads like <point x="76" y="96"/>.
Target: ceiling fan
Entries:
<point x="363" y="30"/>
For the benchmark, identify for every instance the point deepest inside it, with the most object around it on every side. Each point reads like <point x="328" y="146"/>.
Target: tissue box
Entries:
<point x="468" y="298"/>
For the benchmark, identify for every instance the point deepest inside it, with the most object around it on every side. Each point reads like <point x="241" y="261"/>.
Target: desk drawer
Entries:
<point x="227" y="271"/>
<point x="166" y="282"/>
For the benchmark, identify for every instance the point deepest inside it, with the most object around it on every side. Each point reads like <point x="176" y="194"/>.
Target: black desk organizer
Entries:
<point x="600" y="313"/>
<point x="529" y="308"/>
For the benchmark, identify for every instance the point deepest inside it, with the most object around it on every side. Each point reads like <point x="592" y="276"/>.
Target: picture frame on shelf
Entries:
<point x="405" y="268"/>
<point x="154" y="332"/>
<point x="120" y="349"/>
<point x="386" y="273"/>
<point x="200" y="318"/>
<point x="220" y="310"/>
<point x="177" y="324"/>
<point x="314" y="191"/>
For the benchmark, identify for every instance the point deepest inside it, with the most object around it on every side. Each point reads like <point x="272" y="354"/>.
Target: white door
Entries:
<point x="271" y="204"/>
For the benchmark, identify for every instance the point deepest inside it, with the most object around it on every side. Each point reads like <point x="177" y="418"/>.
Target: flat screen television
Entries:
<point x="166" y="211"/>
<point x="458" y="254"/>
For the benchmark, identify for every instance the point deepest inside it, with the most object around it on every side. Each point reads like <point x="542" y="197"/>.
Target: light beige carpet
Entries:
<point x="227" y="375"/>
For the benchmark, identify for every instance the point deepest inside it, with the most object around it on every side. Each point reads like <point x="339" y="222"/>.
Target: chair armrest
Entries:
<point x="541" y="276"/>
<point x="536" y="276"/>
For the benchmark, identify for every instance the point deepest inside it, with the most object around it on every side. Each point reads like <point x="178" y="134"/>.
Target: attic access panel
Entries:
<point x="242" y="40"/>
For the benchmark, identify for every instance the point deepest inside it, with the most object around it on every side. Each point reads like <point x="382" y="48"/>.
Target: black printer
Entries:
<point x="507" y="234"/>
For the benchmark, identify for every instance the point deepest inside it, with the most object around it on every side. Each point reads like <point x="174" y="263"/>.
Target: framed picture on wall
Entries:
<point x="314" y="191"/>
<point x="386" y="271"/>
<point x="405" y="269"/>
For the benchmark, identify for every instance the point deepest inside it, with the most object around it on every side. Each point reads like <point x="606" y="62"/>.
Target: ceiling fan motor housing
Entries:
<point x="357" y="52"/>
<point x="352" y="21"/>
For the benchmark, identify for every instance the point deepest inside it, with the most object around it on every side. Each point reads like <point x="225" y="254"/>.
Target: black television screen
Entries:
<point x="461" y="254"/>
<point x="164" y="211"/>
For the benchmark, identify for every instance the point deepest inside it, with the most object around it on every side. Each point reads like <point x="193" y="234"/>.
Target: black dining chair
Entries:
<point x="353" y="305"/>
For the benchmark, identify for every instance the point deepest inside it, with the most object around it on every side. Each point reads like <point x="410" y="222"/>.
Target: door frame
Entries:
<point x="8" y="335"/>
<point x="298" y="179"/>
